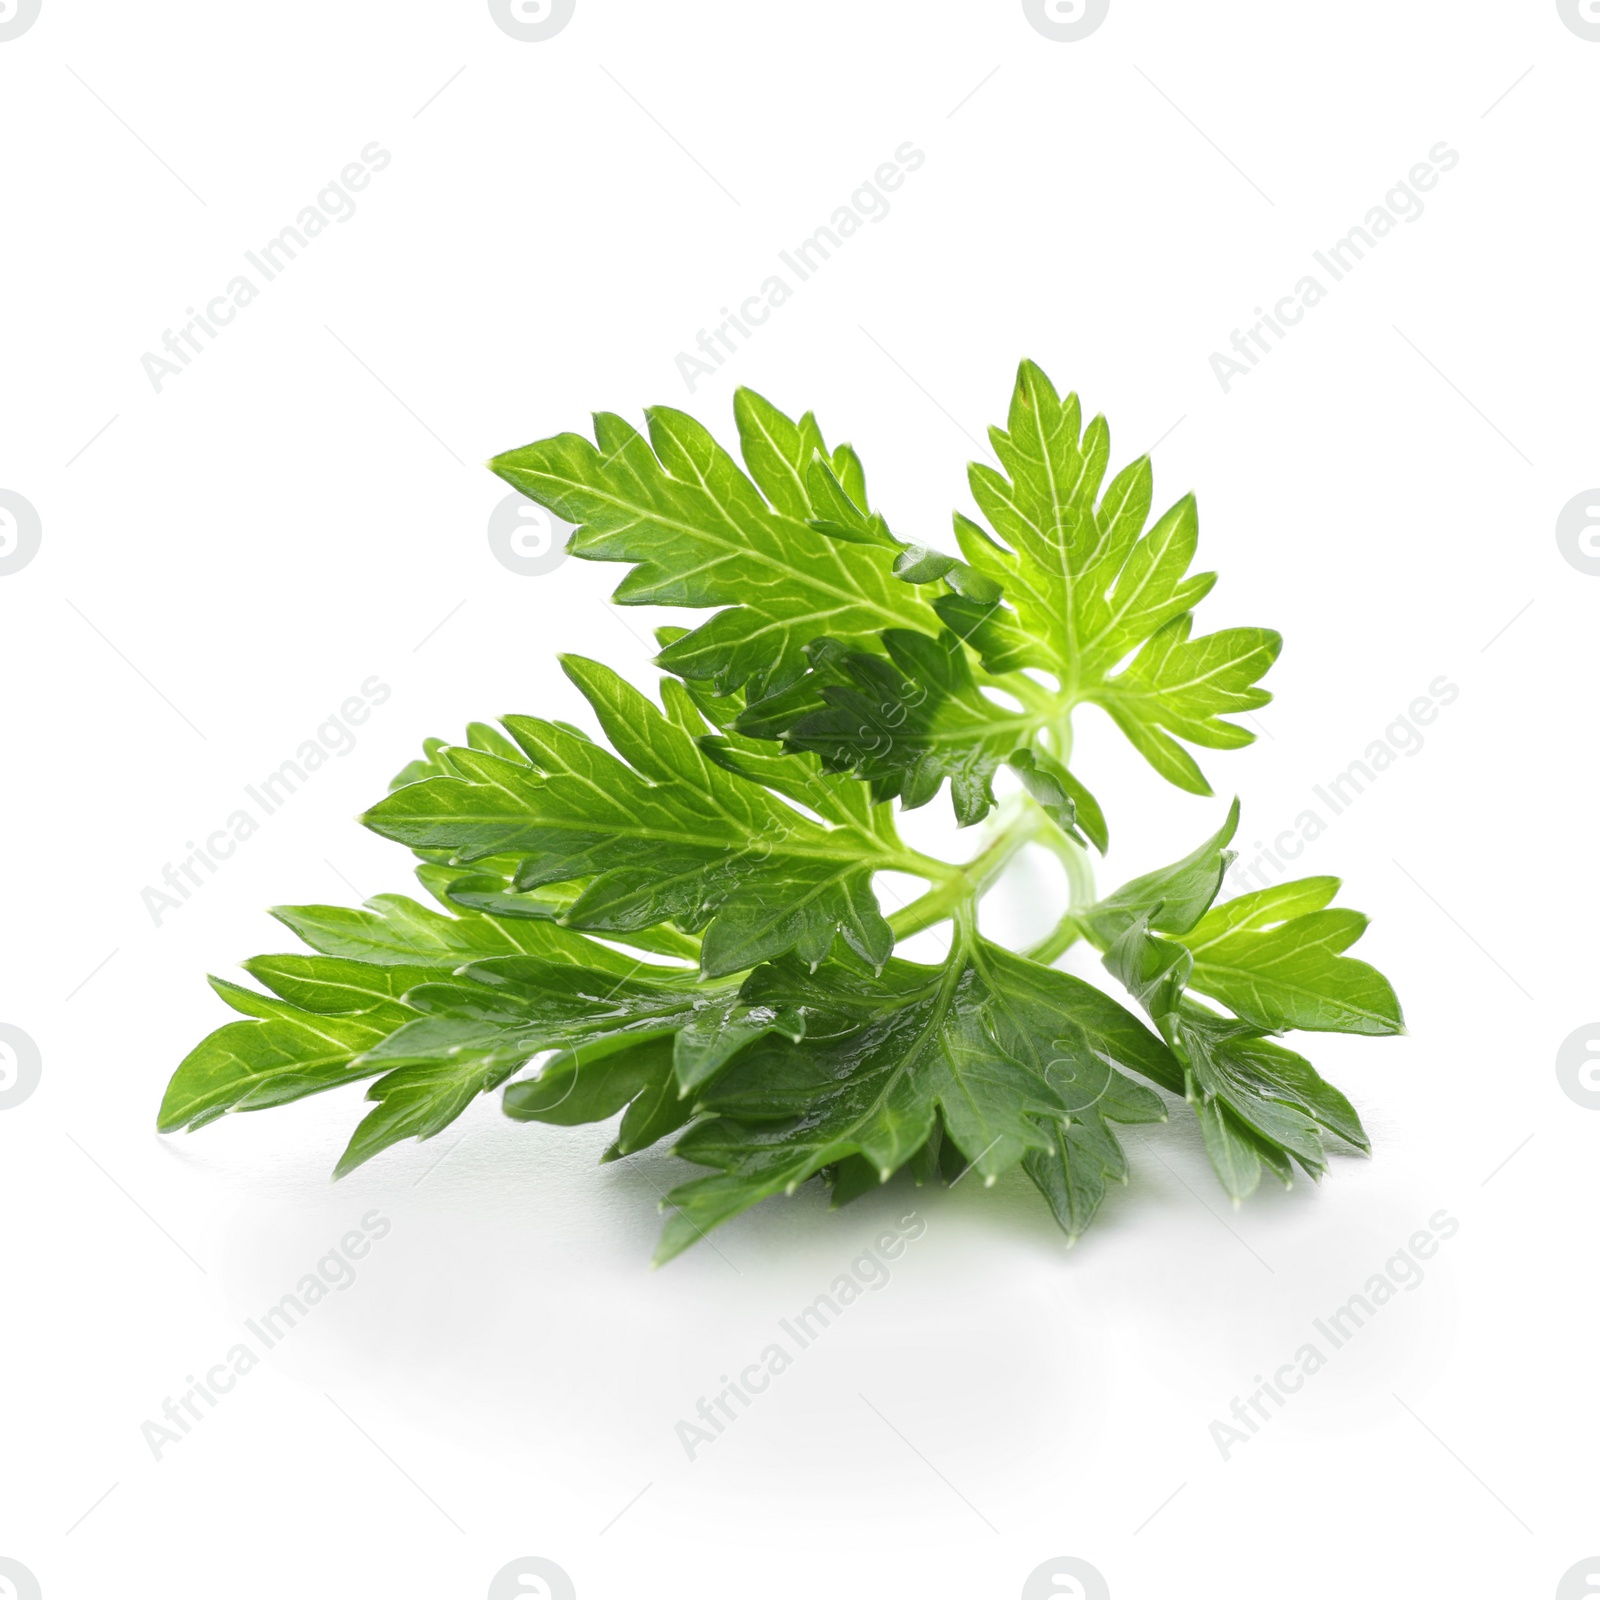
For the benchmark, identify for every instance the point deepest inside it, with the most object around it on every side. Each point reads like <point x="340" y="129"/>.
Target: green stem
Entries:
<point x="1080" y="893"/>
<point x="1059" y="735"/>
<point x="967" y="884"/>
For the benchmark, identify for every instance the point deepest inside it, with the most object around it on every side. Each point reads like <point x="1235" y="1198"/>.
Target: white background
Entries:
<point x="301" y="508"/>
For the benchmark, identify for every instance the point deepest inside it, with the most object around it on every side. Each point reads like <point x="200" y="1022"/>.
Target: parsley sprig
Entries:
<point x="678" y="922"/>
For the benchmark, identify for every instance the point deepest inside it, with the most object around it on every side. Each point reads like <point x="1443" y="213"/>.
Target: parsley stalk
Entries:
<point x="1018" y="821"/>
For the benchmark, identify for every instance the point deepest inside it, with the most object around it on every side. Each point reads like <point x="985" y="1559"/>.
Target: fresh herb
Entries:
<point x="680" y="924"/>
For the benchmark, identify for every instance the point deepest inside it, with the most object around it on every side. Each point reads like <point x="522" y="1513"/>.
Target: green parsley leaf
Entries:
<point x="904" y="722"/>
<point x="1275" y="959"/>
<point x="699" y="532"/>
<point x="1087" y="585"/>
<point x="998" y="1054"/>
<point x="660" y="831"/>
